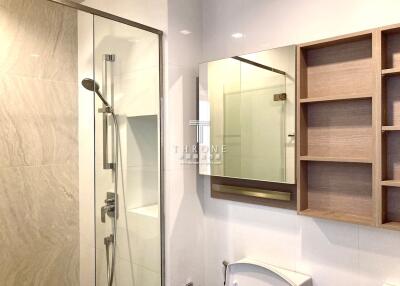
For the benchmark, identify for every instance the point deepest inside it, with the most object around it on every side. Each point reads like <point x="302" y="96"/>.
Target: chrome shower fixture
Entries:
<point x="91" y="85"/>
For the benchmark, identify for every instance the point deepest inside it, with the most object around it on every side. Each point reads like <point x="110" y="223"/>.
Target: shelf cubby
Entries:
<point x="391" y="156"/>
<point x="391" y="209"/>
<point x="391" y="49"/>
<point x="338" y="191"/>
<point x="339" y="69"/>
<point x="391" y="101"/>
<point x="339" y="129"/>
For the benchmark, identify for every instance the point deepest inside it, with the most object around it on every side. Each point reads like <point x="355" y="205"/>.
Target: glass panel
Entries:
<point x="127" y="154"/>
<point x="249" y="105"/>
<point x="86" y="148"/>
<point x="254" y="126"/>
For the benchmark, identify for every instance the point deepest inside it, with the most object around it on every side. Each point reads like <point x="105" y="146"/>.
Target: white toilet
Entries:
<point x="250" y="272"/>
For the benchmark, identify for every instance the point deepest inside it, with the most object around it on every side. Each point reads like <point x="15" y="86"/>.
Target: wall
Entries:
<point x="333" y="253"/>
<point x="184" y="213"/>
<point x="38" y="144"/>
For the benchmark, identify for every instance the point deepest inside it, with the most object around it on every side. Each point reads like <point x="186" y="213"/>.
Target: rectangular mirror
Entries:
<point x="246" y="126"/>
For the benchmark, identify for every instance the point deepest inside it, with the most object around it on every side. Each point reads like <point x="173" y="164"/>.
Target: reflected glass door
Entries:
<point x="262" y="123"/>
<point x="127" y="159"/>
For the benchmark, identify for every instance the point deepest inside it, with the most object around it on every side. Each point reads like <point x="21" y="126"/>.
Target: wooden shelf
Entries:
<point x="391" y="183"/>
<point x="336" y="159"/>
<point x="391" y="128"/>
<point x="392" y="71"/>
<point x="333" y="98"/>
<point x="338" y="216"/>
<point x="393" y="225"/>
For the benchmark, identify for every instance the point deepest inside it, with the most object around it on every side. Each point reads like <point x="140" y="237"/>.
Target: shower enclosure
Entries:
<point x="81" y="147"/>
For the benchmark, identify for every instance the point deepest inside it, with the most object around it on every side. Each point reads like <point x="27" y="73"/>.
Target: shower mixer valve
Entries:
<point x="109" y="207"/>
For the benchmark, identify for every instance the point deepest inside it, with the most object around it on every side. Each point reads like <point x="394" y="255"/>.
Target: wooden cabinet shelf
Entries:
<point x="391" y="128"/>
<point x="334" y="98"/>
<point x="394" y="225"/>
<point x="336" y="159"/>
<point x="391" y="183"/>
<point x="356" y="219"/>
<point x="392" y="71"/>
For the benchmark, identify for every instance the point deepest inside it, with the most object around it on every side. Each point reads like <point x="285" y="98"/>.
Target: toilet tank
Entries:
<point x="251" y="272"/>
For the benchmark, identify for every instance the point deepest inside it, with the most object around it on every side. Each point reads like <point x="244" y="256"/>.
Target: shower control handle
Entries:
<point x="109" y="207"/>
<point x="106" y="210"/>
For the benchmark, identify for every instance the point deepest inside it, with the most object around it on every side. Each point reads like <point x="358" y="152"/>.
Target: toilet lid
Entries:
<point x="275" y="275"/>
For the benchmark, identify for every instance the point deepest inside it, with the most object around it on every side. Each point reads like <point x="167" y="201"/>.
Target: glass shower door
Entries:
<point x="127" y="158"/>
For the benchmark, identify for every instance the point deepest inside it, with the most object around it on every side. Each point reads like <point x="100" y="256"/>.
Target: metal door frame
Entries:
<point x="160" y="34"/>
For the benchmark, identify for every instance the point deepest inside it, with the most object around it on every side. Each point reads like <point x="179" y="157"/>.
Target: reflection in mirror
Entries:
<point x="247" y="116"/>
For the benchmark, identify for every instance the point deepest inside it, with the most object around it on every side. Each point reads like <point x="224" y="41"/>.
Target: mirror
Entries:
<point x="246" y="126"/>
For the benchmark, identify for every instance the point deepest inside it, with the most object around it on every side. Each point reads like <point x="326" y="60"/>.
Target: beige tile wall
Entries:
<point x="39" y="222"/>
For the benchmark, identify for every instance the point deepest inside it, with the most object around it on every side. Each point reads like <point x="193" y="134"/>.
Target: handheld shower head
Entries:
<point x="91" y="85"/>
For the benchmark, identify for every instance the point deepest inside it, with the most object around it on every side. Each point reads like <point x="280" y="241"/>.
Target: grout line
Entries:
<point x="38" y="165"/>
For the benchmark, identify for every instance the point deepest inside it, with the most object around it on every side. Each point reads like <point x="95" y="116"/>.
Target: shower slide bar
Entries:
<point x="107" y="58"/>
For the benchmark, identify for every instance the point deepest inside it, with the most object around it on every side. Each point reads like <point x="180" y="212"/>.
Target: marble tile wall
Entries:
<point x="39" y="219"/>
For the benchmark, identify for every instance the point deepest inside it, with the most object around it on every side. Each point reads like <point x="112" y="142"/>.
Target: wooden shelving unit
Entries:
<point x="388" y="141"/>
<point x="336" y="131"/>
<point x="348" y="123"/>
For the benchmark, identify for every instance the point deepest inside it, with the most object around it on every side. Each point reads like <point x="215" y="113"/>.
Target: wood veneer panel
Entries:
<point x="343" y="69"/>
<point x="391" y="100"/>
<point x="392" y="160"/>
<point x="340" y="129"/>
<point x="341" y="188"/>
